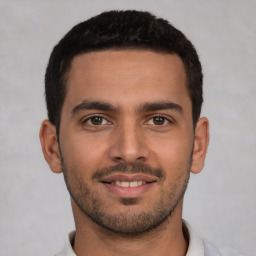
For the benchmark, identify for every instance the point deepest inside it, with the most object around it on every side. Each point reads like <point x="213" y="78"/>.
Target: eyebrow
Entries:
<point x="155" y="106"/>
<point x="146" y="107"/>
<point x="87" y="105"/>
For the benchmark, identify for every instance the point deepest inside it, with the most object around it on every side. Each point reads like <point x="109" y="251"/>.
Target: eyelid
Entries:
<point x="167" y="118"/>
<point x="87" y="118"/>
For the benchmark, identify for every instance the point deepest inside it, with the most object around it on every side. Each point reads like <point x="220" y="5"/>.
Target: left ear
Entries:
<point x="201" y="141"/>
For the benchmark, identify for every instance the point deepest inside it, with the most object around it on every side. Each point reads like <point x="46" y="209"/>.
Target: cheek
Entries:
<point x="83" y="153"/>
<point x="172" y="152"/>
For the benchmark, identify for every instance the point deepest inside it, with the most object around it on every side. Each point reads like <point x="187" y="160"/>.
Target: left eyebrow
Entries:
<point x="156" y="106"/>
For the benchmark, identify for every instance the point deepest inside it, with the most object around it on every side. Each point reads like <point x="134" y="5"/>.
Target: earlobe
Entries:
<point x="49" y="144"/>
<point x="201" y="141"/>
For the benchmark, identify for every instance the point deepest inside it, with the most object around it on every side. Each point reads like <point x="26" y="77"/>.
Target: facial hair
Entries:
<point x="128" y="222"/>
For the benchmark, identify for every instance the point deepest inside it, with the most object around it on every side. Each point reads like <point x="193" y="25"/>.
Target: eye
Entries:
<point x="96" y="120"/>
<point x="158" y="121"/>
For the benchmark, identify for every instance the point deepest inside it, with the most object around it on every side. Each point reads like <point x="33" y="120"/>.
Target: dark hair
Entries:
<point x="119" y="30"/>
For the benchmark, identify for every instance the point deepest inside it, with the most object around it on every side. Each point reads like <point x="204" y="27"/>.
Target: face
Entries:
<point x="126" y="138"/>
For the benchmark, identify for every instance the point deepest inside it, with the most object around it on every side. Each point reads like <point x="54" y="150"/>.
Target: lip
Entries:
<point x="128" y="178"/>
<point x="128" y="192"/>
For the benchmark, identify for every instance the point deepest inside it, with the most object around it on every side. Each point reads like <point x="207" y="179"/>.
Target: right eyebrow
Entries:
<point x="97" y="105"/>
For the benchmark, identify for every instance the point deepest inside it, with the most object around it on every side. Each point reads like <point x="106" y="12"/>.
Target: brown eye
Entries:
<point x="96" y="123"/>
<point x="96" y="120"/>
<point x="159" y="120"/>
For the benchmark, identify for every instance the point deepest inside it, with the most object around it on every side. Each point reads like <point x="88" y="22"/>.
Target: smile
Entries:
<point x="127" y="184"/>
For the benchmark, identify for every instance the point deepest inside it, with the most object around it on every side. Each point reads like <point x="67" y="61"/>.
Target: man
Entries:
<point x="124" y="94"/>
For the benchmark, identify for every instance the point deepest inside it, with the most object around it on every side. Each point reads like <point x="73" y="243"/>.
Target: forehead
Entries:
<point x="126" y="76"/>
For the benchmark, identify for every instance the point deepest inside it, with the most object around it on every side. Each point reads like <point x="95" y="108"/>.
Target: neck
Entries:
<point x="93" y="240"/>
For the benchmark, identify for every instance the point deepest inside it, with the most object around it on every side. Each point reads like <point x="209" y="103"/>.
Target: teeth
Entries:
<point x="133" y="184"/>
<point x="127" y="184"/>
<point x="118" y="183"/>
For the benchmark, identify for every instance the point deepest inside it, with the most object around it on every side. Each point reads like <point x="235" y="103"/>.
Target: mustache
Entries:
<point x="129" y="169"/>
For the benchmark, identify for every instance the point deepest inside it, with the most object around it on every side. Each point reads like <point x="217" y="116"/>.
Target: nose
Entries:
<point x="128" y="145"/>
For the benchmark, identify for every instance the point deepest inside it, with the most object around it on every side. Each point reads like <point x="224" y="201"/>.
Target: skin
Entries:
<point x="127" y="80"/>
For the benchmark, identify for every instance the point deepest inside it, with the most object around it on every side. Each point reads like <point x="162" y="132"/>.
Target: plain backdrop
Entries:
<point x="35" y="214"/>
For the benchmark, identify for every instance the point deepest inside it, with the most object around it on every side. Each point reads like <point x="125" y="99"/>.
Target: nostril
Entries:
<point x="141" y="158"/>
<point x="119" y="160"/>
<point x="127" y="154"/>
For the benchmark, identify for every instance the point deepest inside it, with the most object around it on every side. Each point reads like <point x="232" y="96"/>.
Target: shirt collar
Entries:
<point x="196" y="245"/>
<point x="195" y="248"/>
<point x="67" y="250"/>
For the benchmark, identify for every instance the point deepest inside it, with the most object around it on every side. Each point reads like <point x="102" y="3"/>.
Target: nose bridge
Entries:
<point x="128" y="145"/>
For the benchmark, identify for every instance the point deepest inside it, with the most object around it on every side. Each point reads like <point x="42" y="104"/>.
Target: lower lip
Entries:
<point x="128" y="192"/>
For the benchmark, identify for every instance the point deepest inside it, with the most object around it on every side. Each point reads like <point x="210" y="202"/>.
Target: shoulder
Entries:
<point x="231" y="252"/>
<point x="202" y="247"/>
<point x="67" y="250"/>
<point x="212" y="250"/>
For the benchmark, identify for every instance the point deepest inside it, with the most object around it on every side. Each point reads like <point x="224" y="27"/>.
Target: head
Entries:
<point x="120" y="30"/>
<point x="124" y="94"/>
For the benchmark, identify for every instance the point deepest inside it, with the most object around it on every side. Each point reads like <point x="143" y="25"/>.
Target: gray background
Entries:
<point x="220" y="203"/>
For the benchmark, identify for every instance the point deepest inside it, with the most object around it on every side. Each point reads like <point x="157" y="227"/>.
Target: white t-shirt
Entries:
<point x="197" y="246"/>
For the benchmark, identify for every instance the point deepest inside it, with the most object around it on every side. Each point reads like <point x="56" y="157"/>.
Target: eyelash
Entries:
<point x="165" y="119"/>
<point x="93" y="116"/>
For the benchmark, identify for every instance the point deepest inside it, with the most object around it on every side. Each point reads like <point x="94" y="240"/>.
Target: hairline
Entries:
<point x="65" y="78"/>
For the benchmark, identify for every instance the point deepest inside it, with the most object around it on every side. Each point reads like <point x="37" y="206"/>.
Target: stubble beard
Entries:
<point x="129" y="222"/>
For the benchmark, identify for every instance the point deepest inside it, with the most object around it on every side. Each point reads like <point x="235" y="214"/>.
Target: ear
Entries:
<point x="49" y="145"/>
<point x="201" y="141"/>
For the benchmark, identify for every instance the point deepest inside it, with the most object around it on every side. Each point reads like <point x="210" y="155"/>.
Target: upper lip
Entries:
<point x="128" y="178"/>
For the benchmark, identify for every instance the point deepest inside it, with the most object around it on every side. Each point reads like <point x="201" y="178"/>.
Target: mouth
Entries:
<point x="128" y="186"/>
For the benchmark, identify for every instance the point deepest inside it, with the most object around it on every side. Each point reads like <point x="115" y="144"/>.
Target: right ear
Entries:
<point x="49" y="143"/>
